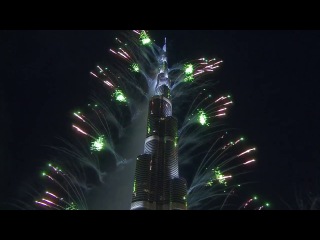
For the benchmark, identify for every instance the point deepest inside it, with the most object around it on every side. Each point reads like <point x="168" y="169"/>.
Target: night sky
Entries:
<point x="271" y="75"/>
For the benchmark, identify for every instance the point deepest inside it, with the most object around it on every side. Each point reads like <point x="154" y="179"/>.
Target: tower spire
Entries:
<point x="164" y="48"/>
<point x="163" y="75"/>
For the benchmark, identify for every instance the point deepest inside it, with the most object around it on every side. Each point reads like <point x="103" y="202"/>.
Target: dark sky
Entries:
<point x="272" y="75"/>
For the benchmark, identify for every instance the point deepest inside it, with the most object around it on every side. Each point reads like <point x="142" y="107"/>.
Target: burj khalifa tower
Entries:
<point x="157" y="185"/>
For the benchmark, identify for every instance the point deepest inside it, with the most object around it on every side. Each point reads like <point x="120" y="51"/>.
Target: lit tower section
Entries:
<point x="157" y="185"/>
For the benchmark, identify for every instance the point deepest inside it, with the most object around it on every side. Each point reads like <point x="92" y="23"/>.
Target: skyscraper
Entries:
<point x="157" y="185"/>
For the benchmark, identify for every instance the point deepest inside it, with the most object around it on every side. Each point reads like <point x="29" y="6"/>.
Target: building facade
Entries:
<point x="157" y="185"/>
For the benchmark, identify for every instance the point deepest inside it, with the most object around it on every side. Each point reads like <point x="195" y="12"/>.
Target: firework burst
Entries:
<point x="125" y="86"/>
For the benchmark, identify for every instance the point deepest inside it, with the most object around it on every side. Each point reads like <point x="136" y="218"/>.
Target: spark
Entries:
<point x="80" y="130"/>
<point x="221" y="114"/>
<point x="124" y="52"/>
<point x="113" y="51"/>
<point x="247" y="162"/>
<point x="219" y="99"/>
<point x="100" y="69"/>
<point x="72" y="206"/>
<point x="98" y="144"/>
<point x="144" y="38"/>
<point x="119" y="96"/>
<point x="189" y="78"/>
<point x="56" y="169"/>
<point x="79" y="117"/>
<point x="93" y="74"/>
<point x="249" y="150"/>
<point x="209" y="66"/>
<point x="188" y="69"/>
<point x="247" y="203"/>
<point x="121" y="54"/>
<point x="109" y="84"/>
<point x="228" y="103"/>
<point x="241" y="139"/>
<point x="51" y="194"/>
<point x="217" y="62"/>
<point x="217" y="175"/>
<point x="198" y="73"/>
<point x="134" y="67"/>
<point x="41" y="203"/>
<point x="46" y="200"/>
<point x="118" y="40"/>
<point x="202" y="117"/>
<point x="50" y="177"/>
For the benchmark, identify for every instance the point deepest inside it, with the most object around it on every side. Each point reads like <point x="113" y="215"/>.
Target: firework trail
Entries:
<point x="255" y="203"/>
<point x="70" y="196"/>
<point x="115" y="121"/>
